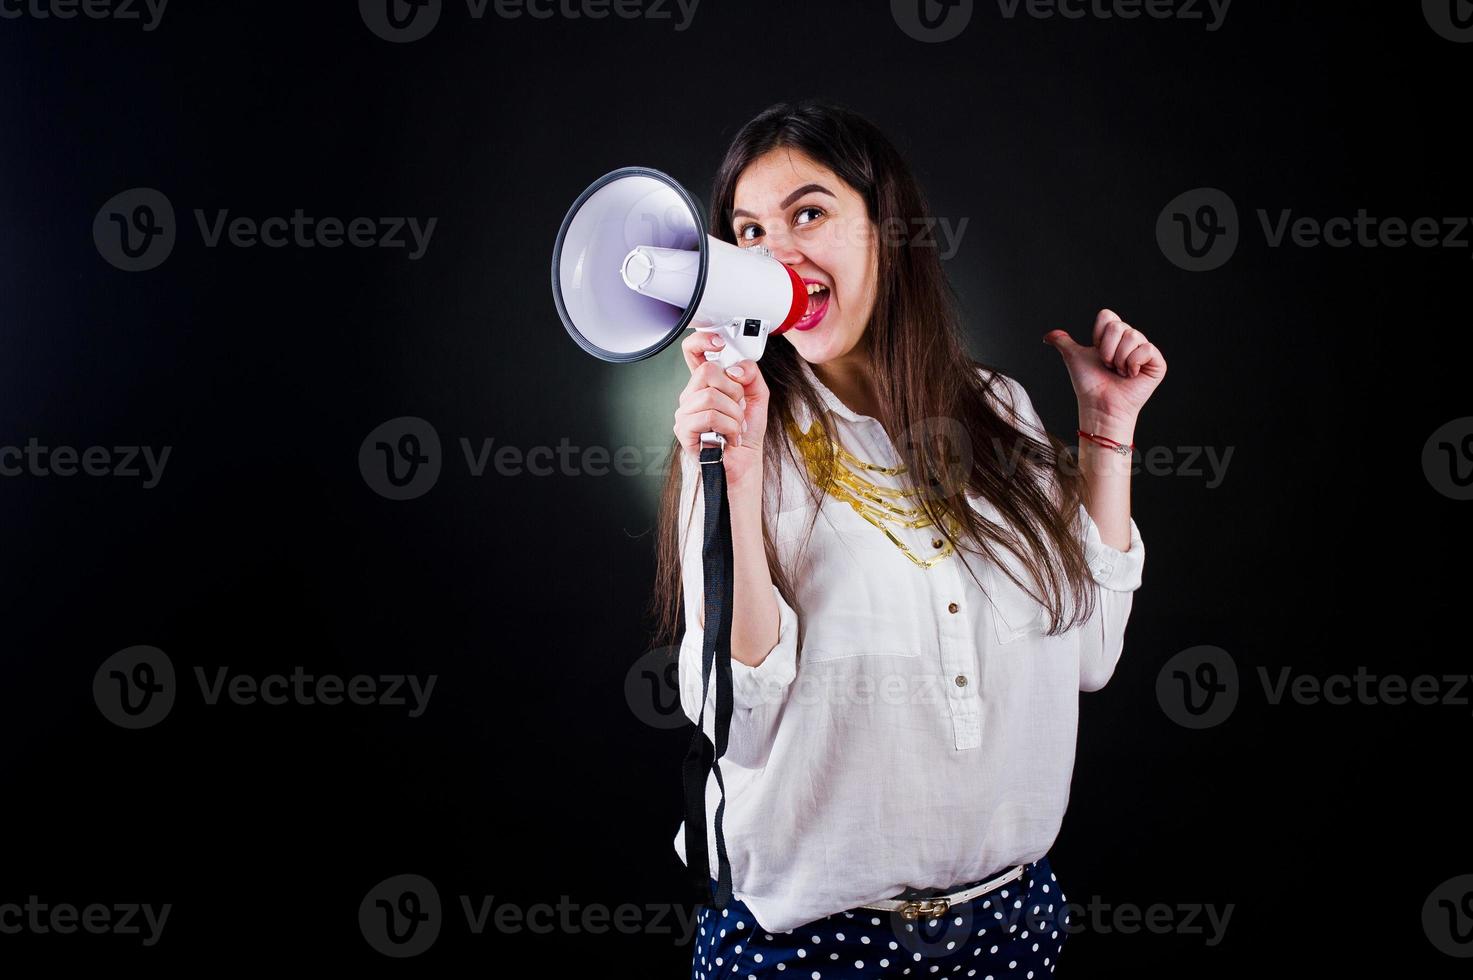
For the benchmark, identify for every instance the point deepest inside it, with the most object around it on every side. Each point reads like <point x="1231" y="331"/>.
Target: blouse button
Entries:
<point x="952" y="608"/>
<point x="961" y="680"/>
<point x="936" y="542"/>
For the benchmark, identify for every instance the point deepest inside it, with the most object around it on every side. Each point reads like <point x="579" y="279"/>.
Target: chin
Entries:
<point x="813" y="353"/>
<point x="824" y="352"/>
<point x="815" y="349"/>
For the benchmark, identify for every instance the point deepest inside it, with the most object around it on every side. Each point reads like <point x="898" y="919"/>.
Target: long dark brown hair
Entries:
<point x="922" y="373"/>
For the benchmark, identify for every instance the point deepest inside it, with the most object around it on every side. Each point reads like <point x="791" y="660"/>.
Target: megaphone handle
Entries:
<point x="726" y="356"/>
<point x="714" y="438"/>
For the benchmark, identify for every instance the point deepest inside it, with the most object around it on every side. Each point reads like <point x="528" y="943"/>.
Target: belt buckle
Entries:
<point x="911" y="911"/>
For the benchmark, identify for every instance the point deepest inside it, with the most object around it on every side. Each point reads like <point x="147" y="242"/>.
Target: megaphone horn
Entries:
<point x="634" y="266"/>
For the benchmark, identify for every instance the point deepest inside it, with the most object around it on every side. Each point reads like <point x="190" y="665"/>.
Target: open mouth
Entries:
<point x="818" y="305"/>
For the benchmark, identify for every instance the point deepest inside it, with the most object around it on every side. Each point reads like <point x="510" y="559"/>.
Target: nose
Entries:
<point x="784" y="249"/>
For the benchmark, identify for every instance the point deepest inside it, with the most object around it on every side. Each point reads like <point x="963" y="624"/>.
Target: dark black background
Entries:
<point x="529" y="777"/>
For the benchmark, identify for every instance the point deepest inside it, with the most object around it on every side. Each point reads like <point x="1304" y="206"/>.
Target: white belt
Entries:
<point x="937" y="905"/>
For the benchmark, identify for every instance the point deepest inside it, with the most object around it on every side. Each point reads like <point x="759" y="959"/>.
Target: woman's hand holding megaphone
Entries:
<point x="716" y="401"/>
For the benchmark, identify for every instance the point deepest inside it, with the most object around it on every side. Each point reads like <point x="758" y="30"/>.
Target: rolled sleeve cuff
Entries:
<point x="767" y="682"/>
<point x="1113" y="569"/>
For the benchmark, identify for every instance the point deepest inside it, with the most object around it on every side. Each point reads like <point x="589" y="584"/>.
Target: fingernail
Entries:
<point x="735" y="370"/>
<point x="744" y="425"/>
<point x="718" y="341"/>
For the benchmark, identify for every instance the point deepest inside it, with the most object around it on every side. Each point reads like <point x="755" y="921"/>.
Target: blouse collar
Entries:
<point x="827" y="397"/>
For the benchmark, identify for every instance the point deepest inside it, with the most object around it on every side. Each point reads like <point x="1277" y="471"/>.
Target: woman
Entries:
<point x="903" y="734"/>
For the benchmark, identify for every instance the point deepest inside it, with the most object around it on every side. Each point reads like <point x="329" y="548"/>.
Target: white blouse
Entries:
<point x="909" y="732"/>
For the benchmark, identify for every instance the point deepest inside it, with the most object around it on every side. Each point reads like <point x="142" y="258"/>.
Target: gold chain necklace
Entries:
<point x="874" y="503"/>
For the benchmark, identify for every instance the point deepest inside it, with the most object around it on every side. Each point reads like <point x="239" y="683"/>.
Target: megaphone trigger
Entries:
<point x="727" y="356"/>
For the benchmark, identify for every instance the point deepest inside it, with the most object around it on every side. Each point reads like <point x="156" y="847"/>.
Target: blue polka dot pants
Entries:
<point x="1011" y="933"/>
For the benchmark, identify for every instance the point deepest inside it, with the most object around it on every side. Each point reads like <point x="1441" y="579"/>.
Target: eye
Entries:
<point x="817" y="212"/>
<point x="749" y="233"/>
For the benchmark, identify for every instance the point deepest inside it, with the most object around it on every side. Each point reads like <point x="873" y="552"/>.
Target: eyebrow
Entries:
<point x="805" y="189"/>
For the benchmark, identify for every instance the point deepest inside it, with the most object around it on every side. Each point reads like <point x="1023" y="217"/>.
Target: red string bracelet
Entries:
<point x="1108" y="443"/>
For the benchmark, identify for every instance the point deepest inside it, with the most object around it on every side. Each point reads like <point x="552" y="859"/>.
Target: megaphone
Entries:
<point x="634" y="266"/>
